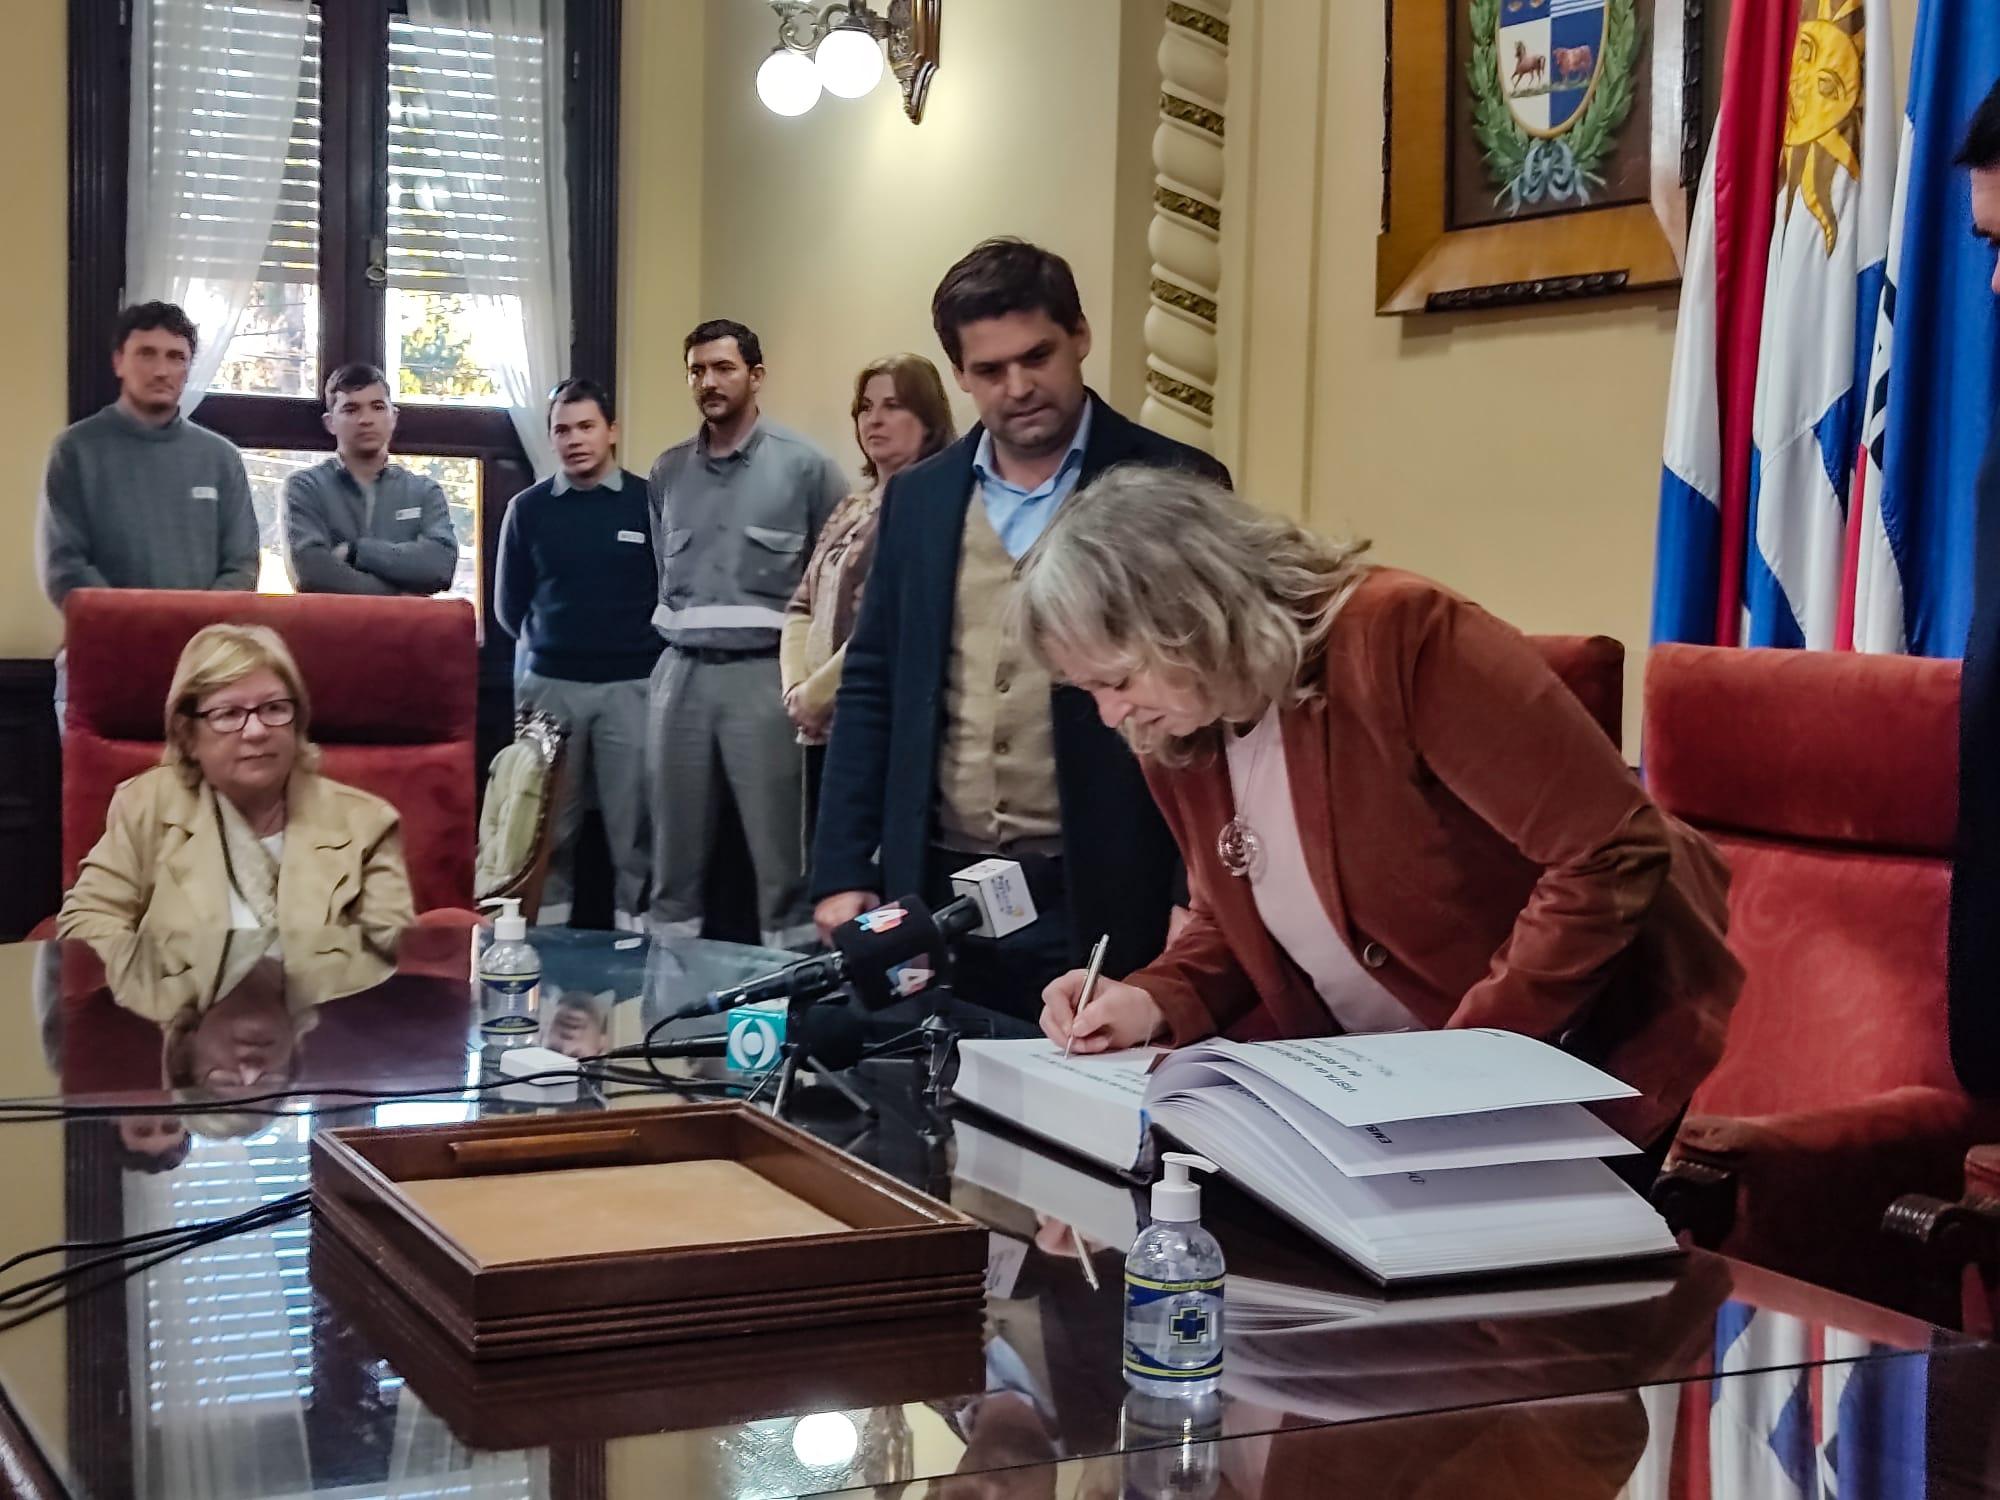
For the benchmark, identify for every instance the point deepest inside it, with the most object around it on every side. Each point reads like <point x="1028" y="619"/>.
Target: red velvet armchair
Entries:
<point x="1830" y="783"/>
<point x="394" y="685"/>
<point x="1593" y="668"/>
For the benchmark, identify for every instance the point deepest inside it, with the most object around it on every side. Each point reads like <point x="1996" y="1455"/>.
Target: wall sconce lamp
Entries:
<point x="843" y="48"/>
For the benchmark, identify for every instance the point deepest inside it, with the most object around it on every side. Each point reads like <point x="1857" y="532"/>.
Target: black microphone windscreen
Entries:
<point x="832" y="1036"/>
<point x="891" y="952"/>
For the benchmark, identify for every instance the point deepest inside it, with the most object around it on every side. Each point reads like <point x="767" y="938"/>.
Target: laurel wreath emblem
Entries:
<point x="1528" y="169"/>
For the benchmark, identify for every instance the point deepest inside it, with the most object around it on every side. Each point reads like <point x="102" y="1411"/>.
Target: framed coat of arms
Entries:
<point x="1537" y="150"/>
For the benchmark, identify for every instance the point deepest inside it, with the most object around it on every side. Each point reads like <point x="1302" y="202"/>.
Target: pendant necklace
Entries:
<point x="1238" y="846"/>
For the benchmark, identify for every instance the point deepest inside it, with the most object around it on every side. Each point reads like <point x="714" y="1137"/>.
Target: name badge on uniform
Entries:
<point x="411" y="514"/>
<point x="633" y="536"/>
<point x="203" y="492"/>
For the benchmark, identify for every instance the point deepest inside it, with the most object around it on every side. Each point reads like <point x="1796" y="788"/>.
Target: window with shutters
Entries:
<point x="275" y="351"/>
<point x="367" y="258"/>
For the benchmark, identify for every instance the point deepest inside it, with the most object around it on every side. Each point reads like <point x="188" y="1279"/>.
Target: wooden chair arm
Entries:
<point x="1698" y="1199"/>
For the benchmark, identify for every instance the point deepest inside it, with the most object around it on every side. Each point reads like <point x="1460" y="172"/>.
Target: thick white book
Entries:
<point x="1415" y="1155"/>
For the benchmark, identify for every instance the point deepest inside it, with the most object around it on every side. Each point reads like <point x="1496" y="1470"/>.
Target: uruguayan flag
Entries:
<point x="1828" y="252"/>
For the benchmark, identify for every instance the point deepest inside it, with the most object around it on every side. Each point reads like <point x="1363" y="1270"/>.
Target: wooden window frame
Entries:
<point x="356" y="41"/>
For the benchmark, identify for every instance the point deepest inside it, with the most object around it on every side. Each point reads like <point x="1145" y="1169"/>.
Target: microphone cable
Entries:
<point x="40" y="1295"/>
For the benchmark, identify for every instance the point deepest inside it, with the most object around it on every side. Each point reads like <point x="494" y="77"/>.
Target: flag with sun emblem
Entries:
<point x="1829" y="248"/>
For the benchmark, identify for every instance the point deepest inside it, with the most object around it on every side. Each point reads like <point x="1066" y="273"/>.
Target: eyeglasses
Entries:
<point x="275" y="714"/>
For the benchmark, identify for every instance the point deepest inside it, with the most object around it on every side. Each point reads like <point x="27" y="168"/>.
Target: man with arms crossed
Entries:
<point x="357" y="523"/>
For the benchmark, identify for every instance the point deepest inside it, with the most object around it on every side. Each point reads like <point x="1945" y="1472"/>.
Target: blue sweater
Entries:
<point x="576" y="581"/>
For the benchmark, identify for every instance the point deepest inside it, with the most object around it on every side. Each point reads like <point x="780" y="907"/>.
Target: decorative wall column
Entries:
<point x="1183" y="357"/>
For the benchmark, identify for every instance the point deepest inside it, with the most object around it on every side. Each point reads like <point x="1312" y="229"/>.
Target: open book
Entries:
<point x="1413" y="1154"/>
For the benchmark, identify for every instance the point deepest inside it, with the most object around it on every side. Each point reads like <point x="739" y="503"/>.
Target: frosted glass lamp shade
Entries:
<point x="849" y="62"/>
<point x="788" y="83"/>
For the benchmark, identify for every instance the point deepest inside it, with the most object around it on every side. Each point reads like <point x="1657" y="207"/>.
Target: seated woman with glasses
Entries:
<point x="235" y="828"/>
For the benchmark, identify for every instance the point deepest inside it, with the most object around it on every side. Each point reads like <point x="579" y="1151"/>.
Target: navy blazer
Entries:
<point x="878" y="798"/>
<point x="1974" y="939"/>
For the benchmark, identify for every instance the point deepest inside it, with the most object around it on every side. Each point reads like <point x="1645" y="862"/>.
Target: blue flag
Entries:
<point x="1935" y="378"/>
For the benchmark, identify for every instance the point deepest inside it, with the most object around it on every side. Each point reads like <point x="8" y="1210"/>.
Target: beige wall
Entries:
<point x="827" y="233"/>
<point x="659" y="223"/>
<point x="34" y="378"/>
<point x="31" y="1185"/>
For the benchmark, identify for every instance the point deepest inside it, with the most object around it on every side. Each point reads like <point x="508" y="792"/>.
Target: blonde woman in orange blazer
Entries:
<point x="1393" y="813"/>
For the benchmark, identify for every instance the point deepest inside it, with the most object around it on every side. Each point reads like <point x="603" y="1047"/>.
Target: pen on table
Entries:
<point x="1089" y="984"/>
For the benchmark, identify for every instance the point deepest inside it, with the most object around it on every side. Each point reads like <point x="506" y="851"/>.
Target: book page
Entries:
<point x="1092" y="1105"/>
<point x="1414" y="1075"/>
<point x="1548" y="1132"/>
<point x="1104" y="1075"/>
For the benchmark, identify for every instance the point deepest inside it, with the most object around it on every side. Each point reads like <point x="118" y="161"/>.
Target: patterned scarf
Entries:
<point x="252" y="870"/>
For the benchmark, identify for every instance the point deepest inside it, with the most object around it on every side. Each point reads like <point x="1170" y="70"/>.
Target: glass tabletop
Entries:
<point x="1889" y="1429"/>
<point x="271" y="1363"/>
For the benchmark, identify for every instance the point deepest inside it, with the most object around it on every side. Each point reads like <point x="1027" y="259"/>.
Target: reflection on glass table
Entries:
<point x="1890" y="1429"/>
<point x="267" y="1365"/>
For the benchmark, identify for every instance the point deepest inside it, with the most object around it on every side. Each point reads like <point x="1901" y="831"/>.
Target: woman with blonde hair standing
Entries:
<point x="901" y="417"/>
<point x="236" y="828"/>
<point x="1393" y="812"/>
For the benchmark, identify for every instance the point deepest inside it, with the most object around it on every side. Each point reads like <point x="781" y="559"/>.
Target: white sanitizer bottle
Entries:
<point x="1173" y="1292"/>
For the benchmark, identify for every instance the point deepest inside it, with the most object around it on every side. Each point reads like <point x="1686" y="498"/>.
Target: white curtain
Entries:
<point x="215" y="89"/>
<point x="497" y="97"/>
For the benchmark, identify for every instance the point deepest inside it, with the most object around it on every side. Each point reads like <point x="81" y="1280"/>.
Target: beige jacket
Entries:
<point x="159" y="867"/>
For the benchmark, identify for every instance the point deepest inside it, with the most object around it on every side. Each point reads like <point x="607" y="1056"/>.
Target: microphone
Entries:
<point x="833" y="1037"/>
<point x="808" y="979"/>
<point x="901" y="949"/>
<point x="897" y="950"/>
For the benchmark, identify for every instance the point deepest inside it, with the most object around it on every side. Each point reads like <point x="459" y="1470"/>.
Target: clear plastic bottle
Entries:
<point x="1169" y="1446"/>
<point x="1173" y="1292"/>
<point x="510" y="978"/>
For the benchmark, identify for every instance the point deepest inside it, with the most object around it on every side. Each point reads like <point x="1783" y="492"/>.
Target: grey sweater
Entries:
<point x="405" y="546"/>
<point x="127" y="506"/>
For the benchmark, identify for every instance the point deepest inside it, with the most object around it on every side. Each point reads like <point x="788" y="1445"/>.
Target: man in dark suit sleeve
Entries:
<point x="1975" y="886"/>
<point x="950" y="744"/>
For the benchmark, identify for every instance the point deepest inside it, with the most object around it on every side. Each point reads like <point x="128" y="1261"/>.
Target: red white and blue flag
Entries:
<point x="1787" y="260"/>
<point x="1805" y="1412"/>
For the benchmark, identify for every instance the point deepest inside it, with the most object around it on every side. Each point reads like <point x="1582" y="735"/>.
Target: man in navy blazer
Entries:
<point x="949" y="744"/>
<point x="1975" y="885"/>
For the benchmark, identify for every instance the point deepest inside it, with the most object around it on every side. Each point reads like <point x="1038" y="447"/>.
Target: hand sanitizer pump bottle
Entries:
<point x="510" y="978"/>
<point x="1173" y="1292"/>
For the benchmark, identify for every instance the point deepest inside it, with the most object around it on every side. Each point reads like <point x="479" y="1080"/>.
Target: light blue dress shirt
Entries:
<point x="1020" y="516"/>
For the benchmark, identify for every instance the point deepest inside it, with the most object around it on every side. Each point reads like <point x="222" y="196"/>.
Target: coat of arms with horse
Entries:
<point x="1552" y="84"/>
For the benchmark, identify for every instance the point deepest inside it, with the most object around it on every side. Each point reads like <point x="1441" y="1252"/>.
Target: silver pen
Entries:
<point x="1089" y="986"/>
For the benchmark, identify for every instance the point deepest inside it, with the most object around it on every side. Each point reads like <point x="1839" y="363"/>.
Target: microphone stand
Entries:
<point x="792" y="1055"/>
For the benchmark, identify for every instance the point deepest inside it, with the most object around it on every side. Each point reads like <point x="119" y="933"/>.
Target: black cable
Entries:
<point x="24" y="1112"/>
<point x="41" y="1294"/>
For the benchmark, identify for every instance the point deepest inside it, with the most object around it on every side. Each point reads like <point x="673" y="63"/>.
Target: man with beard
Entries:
<point x="950" y="745"/>
<point x="736" y="510"/>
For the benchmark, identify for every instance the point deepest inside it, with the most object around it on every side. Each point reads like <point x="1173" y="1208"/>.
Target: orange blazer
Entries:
<point x="1481" y="847"/>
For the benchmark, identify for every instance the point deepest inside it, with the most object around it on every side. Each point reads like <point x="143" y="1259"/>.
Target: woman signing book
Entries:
<point x="1393" y="812"/>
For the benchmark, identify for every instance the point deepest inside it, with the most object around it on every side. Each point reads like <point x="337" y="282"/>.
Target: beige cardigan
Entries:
<point x="159" y="867"/>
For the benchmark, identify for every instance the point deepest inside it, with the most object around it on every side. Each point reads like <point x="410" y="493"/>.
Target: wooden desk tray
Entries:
<point x="616" y="1393"/>
<point x="892" y="1254"/>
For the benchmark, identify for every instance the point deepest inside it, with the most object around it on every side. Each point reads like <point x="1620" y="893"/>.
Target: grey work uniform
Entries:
<point x="733" y="535"/>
